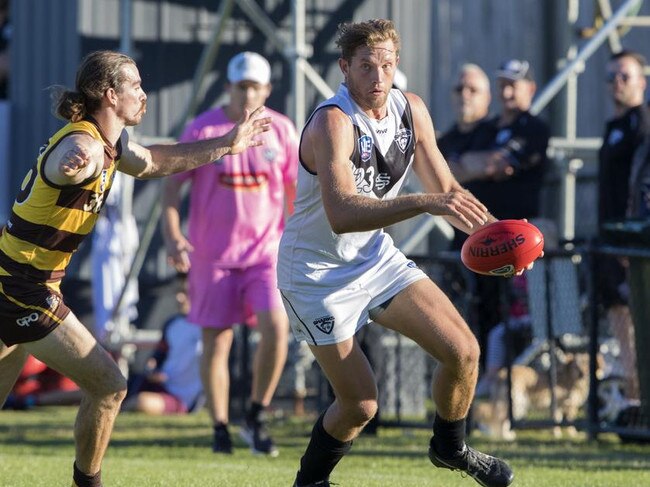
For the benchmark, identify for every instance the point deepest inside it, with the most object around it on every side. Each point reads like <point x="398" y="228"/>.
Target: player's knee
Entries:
<point x="363" y="412"/>
<point x="466" y="356"/>
<point x="116" y="392"/>
<point x="473" y="352"/>
<point x="113" y="390"/>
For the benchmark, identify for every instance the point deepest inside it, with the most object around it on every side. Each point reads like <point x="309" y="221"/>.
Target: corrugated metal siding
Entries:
<point x="484" y="33"/>
<point x="44" y="52"/>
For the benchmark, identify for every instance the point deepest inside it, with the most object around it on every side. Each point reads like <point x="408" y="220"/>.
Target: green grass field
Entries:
<point x="36" y="449"/>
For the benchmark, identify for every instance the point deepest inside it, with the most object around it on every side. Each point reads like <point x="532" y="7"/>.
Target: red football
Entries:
<point x="502" y="248"/>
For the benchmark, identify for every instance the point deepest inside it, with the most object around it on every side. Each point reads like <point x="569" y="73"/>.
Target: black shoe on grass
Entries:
<point x="320" y="483"/>
<point x="257" y="438"/>
<point x="486" y="470"/>
<point x="221" y="442"/>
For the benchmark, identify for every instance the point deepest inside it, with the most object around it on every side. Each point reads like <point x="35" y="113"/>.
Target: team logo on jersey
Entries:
<point x="503" y="136"/>
<point x="403" y="139"/>
<point x="615" y="137"/>
<point x="382" y="180"/>
<point x="270" y="154"/>
<point x="325" y="324"/>
<point x="365" y="147"/>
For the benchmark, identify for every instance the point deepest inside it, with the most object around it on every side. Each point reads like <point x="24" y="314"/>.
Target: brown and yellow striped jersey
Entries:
<point x="47" y="221"/>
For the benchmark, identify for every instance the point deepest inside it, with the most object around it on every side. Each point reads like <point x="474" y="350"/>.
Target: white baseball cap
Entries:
<point x="249" y="66"/>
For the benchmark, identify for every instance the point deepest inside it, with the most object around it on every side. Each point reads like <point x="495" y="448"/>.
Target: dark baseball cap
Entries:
<point x="515" y="69"/>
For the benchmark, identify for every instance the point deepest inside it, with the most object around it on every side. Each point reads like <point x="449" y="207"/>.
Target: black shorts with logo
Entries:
<point x="28" y="311"/>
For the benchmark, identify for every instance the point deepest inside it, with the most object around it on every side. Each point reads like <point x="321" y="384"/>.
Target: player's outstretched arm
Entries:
<point x="165" y="159"/>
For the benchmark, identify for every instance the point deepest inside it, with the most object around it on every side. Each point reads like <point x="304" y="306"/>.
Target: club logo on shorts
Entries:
<point x="365" y="147"/>
<point x="53" y="301"/>
<point x="403" y="139"/>
<point x="27" y="320"/>
<point x="325" y="324"/>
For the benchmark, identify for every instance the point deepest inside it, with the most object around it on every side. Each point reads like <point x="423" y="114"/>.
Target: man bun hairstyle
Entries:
<point x="370" y="33"/>
<point x="98" y="71"/>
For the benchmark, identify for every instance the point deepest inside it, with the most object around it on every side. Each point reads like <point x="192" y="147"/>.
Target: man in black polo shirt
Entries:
<point x="510" y="174"/>
<point x="624" y="134"/>
<point x="507" y="172"/>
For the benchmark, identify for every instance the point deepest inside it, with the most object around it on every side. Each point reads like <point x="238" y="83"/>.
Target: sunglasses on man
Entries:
<point x="613" y="75"/>
<point x="459" y="89"/>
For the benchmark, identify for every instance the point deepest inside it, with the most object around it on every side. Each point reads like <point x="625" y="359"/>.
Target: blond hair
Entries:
<point x="370" y="33"/>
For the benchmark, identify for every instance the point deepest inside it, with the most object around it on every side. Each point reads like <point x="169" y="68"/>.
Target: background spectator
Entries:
<point x="236" y="217"/>
<point x="173" y="383"/>
<point x="506" y="175"/>
<point x="624" y="134"/>
<point x="473" y="130"/>
<point x="512" y="170"/>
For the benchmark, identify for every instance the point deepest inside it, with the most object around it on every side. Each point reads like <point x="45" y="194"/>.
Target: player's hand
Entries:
<point x="461" y="205"/>
<point x="246" y="129"/>
<point x="530" y="266"/>
<point x="178" y="254"/>
<point x="74" y="160"/>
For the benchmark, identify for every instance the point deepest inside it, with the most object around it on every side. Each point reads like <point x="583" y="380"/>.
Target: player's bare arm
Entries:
<point x="177" y="246"/>
<point x="447" y="197"/>
<point x="165" y="159"/>
<point x="77" y="158"/>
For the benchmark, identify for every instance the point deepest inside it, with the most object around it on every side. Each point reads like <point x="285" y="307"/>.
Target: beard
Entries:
<point x="137" y="118"/>
<point x="365" y="100"/>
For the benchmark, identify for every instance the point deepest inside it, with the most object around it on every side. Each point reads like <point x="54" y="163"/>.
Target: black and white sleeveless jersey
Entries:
<point x="311" y="254"/>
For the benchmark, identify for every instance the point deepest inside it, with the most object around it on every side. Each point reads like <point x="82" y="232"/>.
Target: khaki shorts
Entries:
<point x="28" y="311"/>
<point x="333" y="315"/>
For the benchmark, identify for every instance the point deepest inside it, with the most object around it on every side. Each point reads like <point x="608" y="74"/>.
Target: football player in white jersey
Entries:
<point x="338" y="269"/>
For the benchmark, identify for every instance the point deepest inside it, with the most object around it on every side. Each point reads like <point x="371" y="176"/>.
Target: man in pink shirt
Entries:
<point x="236" y="217"/>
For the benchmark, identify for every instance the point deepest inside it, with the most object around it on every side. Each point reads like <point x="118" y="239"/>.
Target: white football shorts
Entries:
<point x="334" y="314"/>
